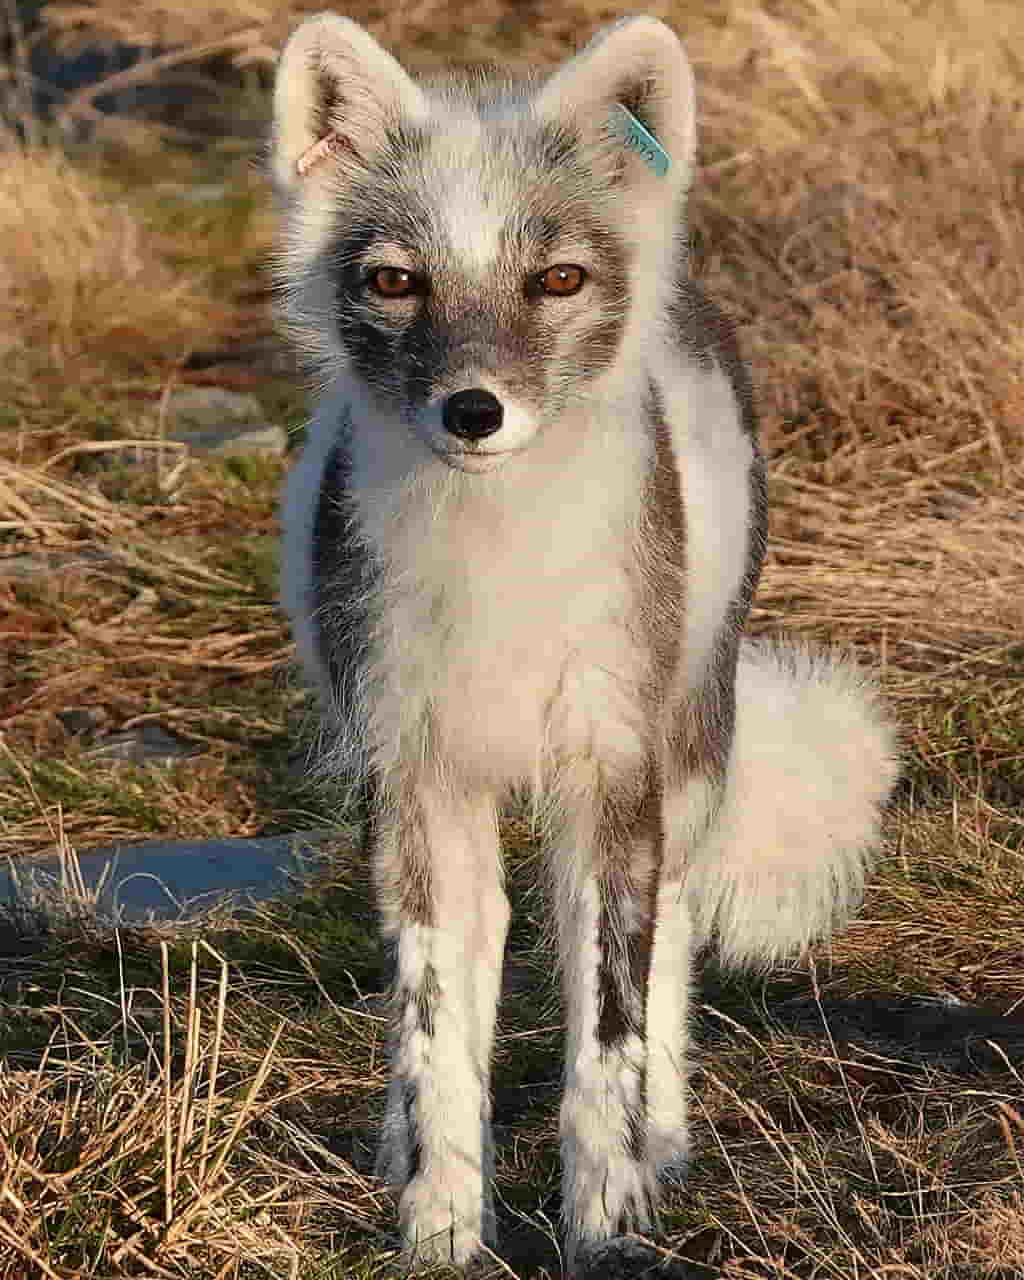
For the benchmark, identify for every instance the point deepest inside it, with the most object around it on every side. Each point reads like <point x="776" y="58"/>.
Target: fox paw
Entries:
<point x="441" y="1223"/>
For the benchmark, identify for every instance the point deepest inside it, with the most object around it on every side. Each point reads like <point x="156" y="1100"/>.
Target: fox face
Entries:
<point x="477" y="289"/>
<point x="472" y="254"/>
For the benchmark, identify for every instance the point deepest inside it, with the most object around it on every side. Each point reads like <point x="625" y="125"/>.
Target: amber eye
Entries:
<point x="562" y="280"/>
<point x="392" y="282"/>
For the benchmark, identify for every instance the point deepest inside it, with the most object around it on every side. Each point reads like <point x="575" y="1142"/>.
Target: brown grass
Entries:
<point x="859" y="210"/>
<point x="82" y="280"/>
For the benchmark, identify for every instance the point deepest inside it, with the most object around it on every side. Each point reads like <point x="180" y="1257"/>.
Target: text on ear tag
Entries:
<point x="640" y="139"/>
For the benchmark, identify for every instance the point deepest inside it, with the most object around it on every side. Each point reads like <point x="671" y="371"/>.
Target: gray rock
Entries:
<point x="82" y="721"/>
<point x="212" y="406"/>
<point x="213" y="420"/>
<point x="267" y="439"/>
<point x="167" y="879"/>
<point x="146" y="744"/>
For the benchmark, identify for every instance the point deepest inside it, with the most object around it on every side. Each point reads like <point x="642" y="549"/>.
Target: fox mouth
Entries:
<point x="472" y="459"/>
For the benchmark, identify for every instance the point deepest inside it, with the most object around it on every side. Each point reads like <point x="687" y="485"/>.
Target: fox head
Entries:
<point x="479" y="253"/>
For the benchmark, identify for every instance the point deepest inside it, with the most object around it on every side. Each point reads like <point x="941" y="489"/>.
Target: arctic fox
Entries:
<point x="520" y="548"/>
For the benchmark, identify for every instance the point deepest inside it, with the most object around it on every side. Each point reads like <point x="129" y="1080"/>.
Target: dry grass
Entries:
<point x="860" y="212"/>
<point x="82" y="281"/>
<point x="122" y="1146"/>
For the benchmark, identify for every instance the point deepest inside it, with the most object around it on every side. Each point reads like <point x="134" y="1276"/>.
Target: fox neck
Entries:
<point x="579" y="485"/>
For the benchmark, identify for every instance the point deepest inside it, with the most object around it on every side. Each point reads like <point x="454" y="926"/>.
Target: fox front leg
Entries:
<point x="438" y="872"/>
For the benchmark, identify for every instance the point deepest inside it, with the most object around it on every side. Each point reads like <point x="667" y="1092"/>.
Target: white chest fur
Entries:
<point x="507" y="618"/>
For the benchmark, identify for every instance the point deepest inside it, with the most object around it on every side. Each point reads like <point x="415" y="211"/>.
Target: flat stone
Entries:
<point x="267" y="439"/>
<point x="170" y="879"/>
<point x="82" y="721"/>
<point x="213" y="420"/>
<point x="146" y="744"/>
<point x="212" y="407"/>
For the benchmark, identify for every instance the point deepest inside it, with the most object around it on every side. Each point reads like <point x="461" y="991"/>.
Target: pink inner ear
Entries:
<point x="320" y="150"/>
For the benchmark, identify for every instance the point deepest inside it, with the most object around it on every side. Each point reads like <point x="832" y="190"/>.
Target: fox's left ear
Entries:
<point x="632" y="88"/>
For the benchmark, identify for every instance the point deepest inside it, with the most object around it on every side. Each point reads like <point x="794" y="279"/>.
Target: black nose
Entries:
<point x="472" y="414"/>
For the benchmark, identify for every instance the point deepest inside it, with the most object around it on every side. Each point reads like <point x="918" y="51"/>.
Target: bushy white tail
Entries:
<point x="813" y="761"/>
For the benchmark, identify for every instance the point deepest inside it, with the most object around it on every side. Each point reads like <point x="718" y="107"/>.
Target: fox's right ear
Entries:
<point x="336" y="95"/>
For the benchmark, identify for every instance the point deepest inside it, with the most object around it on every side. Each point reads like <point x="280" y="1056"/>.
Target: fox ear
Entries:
<point x="336" y="94"/>
<point x="632" y="87"/>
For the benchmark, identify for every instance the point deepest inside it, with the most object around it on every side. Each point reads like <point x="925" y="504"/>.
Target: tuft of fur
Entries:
<point x="814" y="759"/>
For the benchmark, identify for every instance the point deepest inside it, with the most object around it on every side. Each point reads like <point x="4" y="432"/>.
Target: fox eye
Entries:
<point x="393" y="282"/>
<point x="562" y="280"/>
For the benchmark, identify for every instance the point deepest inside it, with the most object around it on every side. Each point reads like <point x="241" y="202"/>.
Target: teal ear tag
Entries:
<point x="639" y="139"/>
